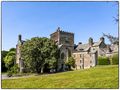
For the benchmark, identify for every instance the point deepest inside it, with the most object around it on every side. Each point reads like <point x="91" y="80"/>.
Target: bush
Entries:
<point x="102" y="60"/>
<point x="9" y="74"/>
<point x="115" y="59"/>
<point x="70" y="63"/>
<point x="14" y="69"/>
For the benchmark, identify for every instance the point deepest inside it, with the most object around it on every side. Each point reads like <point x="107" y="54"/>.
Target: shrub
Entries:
<point x="14" y="69"/>
<point x="102" y="60"/>
<point x="9" y="74"/>
<point x="70" y="63"/>
<point x="115" y="59"/>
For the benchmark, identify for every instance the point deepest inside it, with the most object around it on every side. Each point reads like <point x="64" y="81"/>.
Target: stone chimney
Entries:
<point x="58" y="29"/>
<point x="80" y="43"/>
<point x="90" y="41"/>
<point x="19" y="37"/>
<point x="102" y="39"/>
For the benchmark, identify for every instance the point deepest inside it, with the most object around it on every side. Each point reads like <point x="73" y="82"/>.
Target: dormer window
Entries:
<point x="81" y="49"/>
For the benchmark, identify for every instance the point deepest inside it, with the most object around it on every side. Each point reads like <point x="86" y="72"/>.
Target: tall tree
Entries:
<point x="10" y="59"/>
<point x="3" y="55"/>
<point x="113" y="39"/>
<point x="38" y="52"/>
<point x="12" y="49"/>
<point x="116" y="18"/>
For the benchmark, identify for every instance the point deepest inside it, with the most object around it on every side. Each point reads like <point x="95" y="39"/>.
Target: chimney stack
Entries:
<point x="102" y="39"/>
<point x="19" y="37"/>
<point x="90" y="41"/>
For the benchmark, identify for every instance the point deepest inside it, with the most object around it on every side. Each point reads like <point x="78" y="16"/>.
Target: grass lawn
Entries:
<point x="96" y="77"/>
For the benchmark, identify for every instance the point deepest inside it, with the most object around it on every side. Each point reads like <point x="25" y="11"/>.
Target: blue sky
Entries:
<point x="31" y="19"/>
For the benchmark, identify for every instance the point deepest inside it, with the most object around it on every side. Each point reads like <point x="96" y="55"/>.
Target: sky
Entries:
<point x="31" y="19"/>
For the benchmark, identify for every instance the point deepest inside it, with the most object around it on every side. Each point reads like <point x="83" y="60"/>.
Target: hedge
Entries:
<point x="103" y="60"/>
<point x="115" y="59"/>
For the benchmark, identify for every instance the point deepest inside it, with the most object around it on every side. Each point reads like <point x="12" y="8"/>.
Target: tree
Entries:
<point x="112" y="39"/>
<point x="70" y="63"/>
<point x="12" y="49"/>
<point x="116" y="18"/>
<point x="10" y="59"/>
<point x="3" y="54"/>
<point x="38" y="52"/>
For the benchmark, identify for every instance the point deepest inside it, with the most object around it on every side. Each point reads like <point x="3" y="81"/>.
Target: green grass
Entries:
<point x="97" y="77"/>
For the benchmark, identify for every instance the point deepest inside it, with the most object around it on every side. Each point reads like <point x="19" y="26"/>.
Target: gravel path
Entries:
<point x="4" y="76"/>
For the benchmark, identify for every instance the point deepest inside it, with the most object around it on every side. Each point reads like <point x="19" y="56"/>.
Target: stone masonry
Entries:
<point x="85" y="55"/>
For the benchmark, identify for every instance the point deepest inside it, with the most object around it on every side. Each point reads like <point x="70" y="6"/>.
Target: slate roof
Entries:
<point x="114" y="48"/>
<point x="82" y="47"/>
<point x="97" y="43"/>
<point x="85" y="47"/>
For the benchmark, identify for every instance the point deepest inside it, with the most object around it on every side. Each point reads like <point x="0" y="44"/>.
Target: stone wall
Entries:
<point x="85" y="60"/>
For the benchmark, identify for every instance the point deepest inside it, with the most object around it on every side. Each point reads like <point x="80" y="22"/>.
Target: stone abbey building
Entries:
<point x="85" y="55"/>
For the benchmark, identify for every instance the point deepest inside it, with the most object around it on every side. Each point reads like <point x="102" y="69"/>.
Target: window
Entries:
<point x="80" y="61"/>
<point x="83" y="66"/>
<point x="90" y="61"/>
<point x="80" y="55"/>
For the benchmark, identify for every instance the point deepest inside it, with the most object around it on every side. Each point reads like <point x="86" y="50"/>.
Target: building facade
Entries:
<point x="85" y="55"/>
<point x="65" y="42"/>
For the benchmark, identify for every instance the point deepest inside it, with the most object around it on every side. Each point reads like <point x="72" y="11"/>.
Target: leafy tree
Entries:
<point x="9" y="59"/>
<point x="38" y="52"/>
<point x="3" y="54"/>
<point x="70" y="63"/>
<point x="12" y="49"/>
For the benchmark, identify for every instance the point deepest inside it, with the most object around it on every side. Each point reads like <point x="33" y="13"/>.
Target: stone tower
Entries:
<point x="19" y="60"/>
<point x="65" y="42"/>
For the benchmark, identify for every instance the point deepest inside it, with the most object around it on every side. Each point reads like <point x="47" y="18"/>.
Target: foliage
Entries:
<point x="102" y="60"/>
<point x="9" y="74"/>
<point x="14" y="69"/>
<point x="9" y="59"/>
<point x="12" y="49"/>
<point x="3" y="54"/>
<point x="96" y="77"/>
<point x="115" y="59"/>
<point x="70" y="63"/>
<point x="37" y="52"/>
